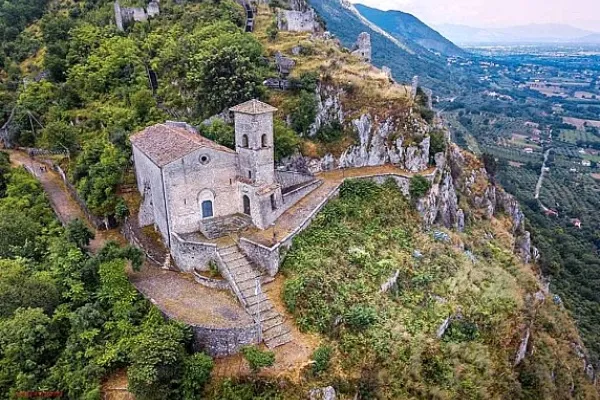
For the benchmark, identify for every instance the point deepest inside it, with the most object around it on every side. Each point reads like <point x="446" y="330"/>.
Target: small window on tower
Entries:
<point x="263" y="140"/>
<point x="249" y="174"/>
<point x="244" y="140"/>
<point x="273" y="203"/>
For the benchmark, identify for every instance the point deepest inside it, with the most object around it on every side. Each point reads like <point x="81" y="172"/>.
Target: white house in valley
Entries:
<point x="191" y="184"/>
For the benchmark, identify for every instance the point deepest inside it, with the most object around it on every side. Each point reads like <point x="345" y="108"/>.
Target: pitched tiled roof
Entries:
<point x="164" y="143"/>
<point x="253" y="107"/>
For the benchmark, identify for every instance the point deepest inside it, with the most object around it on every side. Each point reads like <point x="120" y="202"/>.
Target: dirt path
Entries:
<point x="64" y="205"/>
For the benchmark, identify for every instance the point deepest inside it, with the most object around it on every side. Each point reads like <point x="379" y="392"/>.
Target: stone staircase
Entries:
<point x="214" y="228"/>
<point x="246" y="281"/>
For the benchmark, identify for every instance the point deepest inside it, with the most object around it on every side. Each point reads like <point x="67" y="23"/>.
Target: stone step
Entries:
<point x="233" y="257"/>
<point x="252" y="300"/>
<point x="225" y="251"/>
<point x="239" y="263"/>
<point x="250" y="284"/>
<point x="279" y="340"/>
<point x="272" y="323"/>
<point x="266" y="310"/>
<point x="248" y="292"/>
<point x="242" y="277"/>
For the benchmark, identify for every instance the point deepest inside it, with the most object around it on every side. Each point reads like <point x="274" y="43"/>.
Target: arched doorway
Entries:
<point x="207" y="209"/>
<point x="246" y="201"/>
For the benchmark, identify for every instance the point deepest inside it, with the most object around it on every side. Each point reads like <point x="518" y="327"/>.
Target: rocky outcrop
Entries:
<point x="326" y="393"/>
<point x="329" y="108"/>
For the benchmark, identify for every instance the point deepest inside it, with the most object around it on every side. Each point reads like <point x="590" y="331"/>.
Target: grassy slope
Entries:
<point x="386" y="343"/>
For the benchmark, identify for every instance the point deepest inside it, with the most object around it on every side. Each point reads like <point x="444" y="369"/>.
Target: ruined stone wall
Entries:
<point x="190" y="255"/>
<point x="297" y="21"/>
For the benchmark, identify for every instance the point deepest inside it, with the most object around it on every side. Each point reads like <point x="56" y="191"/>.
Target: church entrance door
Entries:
<point x="246" y="200"/>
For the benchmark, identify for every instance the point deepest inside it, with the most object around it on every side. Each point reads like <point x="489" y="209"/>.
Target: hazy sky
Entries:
<point x="498" y="13"/>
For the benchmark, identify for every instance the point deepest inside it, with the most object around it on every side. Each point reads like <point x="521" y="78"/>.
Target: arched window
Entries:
<point x="246" y="201"/>
<point x="263" y="140"/>
<point x="244" y="140"/>
<point x="207" y="209"/>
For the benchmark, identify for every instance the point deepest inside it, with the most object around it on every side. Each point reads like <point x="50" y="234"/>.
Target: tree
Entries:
<point x="29" y="345"/>
<point x="258" y="359"/>
<point x="226" y="70"/>
<point x="491" y="165"/>
<point x="21" y="287"/>
<point x="286" y="140"/>
<point x="438" y="143"/>
<point x="4" y="170"/>
<point x="196" y="374"/>
<point x="60" y="136"/>
<point x="419" y="186"/>
<point x="157" y="358"/>
<point x="77" y="232"/>
<point x="220" y="132"/>
<point x="304" y="112"/>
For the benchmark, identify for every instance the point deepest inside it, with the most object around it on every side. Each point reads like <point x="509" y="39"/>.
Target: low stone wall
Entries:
<point x="99" y="223"/>
<point x="219" y="284"/>
<point x="266" y="258"/>
<point x="290" y="178"/>
<point x="220" y="342"/>
<point x="132" y="232"/>
<point x="192" y="255"/>
<point x="290" y="198"/>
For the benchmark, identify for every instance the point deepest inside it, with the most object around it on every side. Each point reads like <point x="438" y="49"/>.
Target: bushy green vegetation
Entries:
<point x="258" y="359"/>
<point x="68" y="318"/>
<point x="386" y="343"/>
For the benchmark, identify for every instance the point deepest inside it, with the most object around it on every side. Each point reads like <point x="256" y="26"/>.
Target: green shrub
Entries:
<point x="419" y="186"/>
<point x="77" y="232"/>
<point x="360" y="317"/>
<point x="257" y="358"/>
<point x="196" y="374"/>
<point x="321" y="358"/>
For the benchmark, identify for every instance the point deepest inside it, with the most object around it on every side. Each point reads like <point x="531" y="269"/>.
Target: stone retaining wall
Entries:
<point x="192" y="255"/>
<point x="291" y="198"/>
<point x="220" y="342"/>
<point x="131" y="231"/>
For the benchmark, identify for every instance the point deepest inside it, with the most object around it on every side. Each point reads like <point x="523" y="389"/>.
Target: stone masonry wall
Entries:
<point x="266" y="258"/>
<point x="290" y="178"/>
<point x="224" y="342"/>
<point x="189" y="255"/>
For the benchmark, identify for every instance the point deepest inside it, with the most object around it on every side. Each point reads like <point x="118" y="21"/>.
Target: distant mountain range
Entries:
<point x="410" y="30"/>
<point x="535" y="33"/>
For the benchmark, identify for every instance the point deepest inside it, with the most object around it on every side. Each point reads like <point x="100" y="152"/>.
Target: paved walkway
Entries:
<point x="301" y="211"/>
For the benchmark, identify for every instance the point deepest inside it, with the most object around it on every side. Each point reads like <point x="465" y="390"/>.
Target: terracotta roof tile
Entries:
<point x="253" y="107"/>
<point x="164" y="143"/>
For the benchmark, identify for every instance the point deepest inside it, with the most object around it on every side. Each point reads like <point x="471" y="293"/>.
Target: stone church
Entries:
<point x="191" y="184"/>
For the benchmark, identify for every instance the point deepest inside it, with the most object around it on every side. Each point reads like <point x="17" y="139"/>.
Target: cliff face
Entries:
<point x="461" y="174"/>
<point x="382" y="136"/>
